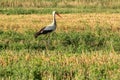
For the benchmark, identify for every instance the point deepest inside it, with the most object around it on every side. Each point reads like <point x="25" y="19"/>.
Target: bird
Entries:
<point x="50" y="28"/>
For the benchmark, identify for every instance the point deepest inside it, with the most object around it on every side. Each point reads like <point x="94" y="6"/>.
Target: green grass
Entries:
<point x="9" y="11"/>
<point x="71" y="42"/>
<point x="86" y="54"/>
<point x="58" y="66"/>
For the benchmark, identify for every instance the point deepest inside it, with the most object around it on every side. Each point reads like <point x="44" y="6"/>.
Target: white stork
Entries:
<point x="49" y="28"/>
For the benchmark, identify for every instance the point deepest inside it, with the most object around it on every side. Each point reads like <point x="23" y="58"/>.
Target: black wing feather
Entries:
<point x="42" y="31"/>
<point x="39" y="32"/>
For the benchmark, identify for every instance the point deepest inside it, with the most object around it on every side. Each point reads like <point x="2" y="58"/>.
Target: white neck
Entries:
<point x="54" y="19"/>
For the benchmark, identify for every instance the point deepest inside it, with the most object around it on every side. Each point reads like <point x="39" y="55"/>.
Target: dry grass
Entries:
<point x="62" y="3"/>
<point x="68" y="22"/>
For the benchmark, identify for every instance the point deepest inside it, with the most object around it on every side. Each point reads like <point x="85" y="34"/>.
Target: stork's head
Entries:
<point x="54" y="12"/>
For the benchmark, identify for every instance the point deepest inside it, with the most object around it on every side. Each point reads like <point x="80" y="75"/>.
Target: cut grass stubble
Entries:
<point x="85" y="46"/>
<point x="93" y="65"/>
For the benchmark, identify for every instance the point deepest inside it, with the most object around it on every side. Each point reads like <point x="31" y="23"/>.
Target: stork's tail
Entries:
<point x="37" y="34"/>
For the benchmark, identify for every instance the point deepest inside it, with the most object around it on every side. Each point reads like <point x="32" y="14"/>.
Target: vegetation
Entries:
<point x="64" y="6"/>
<point x="85" y="45"/>
<point x="88" y="51"/>
<point x="60" y="3"/>
<point x="59" y="66"/>
<point x="71" y="42"/>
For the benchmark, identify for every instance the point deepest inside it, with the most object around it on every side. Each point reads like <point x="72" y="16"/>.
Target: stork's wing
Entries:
<point x="43" y="31"/>
<point x="39" y="32"/>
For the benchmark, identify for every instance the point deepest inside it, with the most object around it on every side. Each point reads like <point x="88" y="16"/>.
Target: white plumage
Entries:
<point x="48" y="28"/>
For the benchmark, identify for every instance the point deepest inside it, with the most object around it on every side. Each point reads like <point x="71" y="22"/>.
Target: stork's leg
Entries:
<point x="47" y="41"/>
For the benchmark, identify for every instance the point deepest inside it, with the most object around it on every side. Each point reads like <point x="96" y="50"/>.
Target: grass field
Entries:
<point x="85" y="45"/>
<point x="60" y="3"/>
<point x="63" y="6"/>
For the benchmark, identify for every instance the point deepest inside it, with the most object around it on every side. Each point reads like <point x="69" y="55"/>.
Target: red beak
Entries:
<point x="58" y="15"/>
